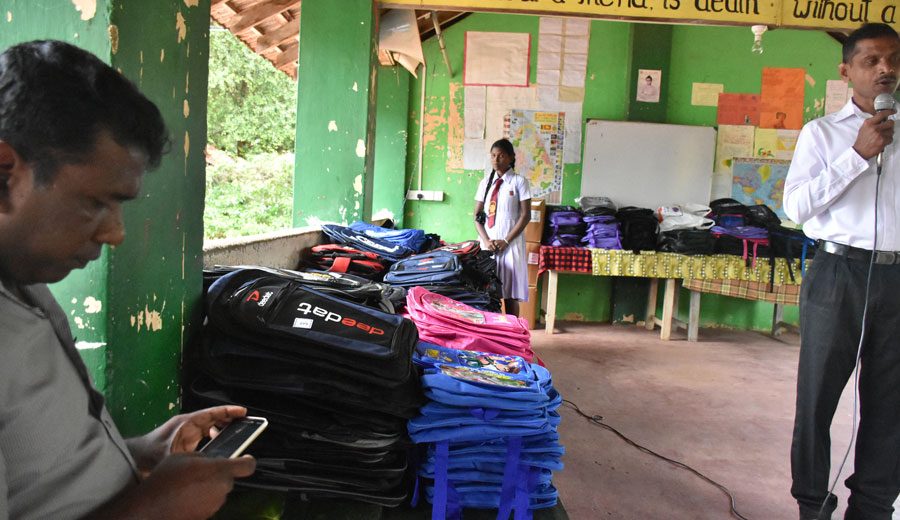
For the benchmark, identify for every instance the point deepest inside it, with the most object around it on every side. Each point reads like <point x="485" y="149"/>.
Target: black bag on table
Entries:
<point x="727" y="212"/>
<point x="762" y="216"/>
<point x="687" y="242"/>
<point x="639" y="228"/>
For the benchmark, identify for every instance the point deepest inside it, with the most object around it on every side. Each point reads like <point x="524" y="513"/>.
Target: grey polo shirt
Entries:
<point x="61" y="456"/>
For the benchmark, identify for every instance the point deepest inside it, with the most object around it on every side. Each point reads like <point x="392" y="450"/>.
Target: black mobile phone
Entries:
<point x="235" y="437"/>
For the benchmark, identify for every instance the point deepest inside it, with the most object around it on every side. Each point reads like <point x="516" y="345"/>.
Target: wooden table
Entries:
<point x="731" y="272"/>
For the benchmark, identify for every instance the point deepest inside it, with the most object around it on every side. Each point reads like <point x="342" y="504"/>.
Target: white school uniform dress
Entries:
<point x="512" y="264"/>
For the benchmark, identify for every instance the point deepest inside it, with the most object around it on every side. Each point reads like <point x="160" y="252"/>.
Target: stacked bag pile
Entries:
<point x="602" y="227"/>
<point x="565" y="227"/>
<point x="368" y="250"/>
<point x="735" y="234"/>
<point x="489" y="432"/>
<point x="452" y="324"/>
<point x="460" y="271"/>
<point x="684" y="229"/>
<point x="317" y="355"/>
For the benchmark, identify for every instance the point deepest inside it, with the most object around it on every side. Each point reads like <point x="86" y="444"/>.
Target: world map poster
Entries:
<point x="538" y="138"/>
<point x="760" y="181"/>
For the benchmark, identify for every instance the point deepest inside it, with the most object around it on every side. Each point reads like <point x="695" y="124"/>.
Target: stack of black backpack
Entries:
<point x="317" y="355"/>
<point x="638" y="228"/>
<point x="460" y="271"/>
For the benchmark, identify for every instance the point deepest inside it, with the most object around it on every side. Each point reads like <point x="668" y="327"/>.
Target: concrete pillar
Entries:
<point x="391" y="139"/>
<point x="335" y="111"/>
<point x="133" y="309"/>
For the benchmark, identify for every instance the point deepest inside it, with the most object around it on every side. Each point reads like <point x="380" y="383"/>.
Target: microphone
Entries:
<point x="883" y="101"/>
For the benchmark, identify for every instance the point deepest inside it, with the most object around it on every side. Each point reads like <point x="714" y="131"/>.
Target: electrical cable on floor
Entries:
<point x="598" y="421"/>
<point x="862" y="335"/>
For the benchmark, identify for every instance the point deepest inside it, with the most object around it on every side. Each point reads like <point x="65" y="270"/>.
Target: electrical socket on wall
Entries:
<point x="425" y="195"/>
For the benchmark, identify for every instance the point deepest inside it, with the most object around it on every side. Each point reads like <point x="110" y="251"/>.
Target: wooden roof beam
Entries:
<point x="278" y="36"/>
<point x="258" y="12"/>
<point x="288" y="56"/>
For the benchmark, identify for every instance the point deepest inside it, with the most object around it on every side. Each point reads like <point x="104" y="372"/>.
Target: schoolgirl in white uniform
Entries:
<point x="502" y="210"/>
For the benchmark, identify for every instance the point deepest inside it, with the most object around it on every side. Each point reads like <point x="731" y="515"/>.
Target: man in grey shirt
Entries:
<point x="75" y="140"/>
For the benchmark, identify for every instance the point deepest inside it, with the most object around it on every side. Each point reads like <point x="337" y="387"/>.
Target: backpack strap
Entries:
<point x="509" y="493"/>
<point x="446" y="500"/>
<point x="340" y="264"/>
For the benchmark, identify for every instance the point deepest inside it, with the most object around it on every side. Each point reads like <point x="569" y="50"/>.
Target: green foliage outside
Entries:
<point x="250" y="161"/>
<point x="247" y="197"/>
<point x="252" y="106"/>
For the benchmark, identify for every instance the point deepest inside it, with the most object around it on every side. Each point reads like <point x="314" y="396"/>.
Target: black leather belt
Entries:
<point x="858" y="253"/>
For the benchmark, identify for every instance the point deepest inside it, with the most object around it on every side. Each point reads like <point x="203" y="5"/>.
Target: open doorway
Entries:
<point x="250" y="153"/>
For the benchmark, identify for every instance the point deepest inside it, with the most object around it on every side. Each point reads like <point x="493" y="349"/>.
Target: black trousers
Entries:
<point x="831" y="308"/>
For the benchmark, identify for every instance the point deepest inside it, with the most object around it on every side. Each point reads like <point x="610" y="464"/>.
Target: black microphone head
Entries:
<point x="884" y="101"/>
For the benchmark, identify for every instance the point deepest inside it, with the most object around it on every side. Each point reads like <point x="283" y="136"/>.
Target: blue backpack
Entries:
<point x="433" y="268"/>
<point x="357" y="240"/>
<point x="413" y="239"/>
<point x="490" y="431"/>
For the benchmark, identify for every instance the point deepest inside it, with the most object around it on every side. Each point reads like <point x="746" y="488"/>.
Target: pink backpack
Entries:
<point x="452" y="324"/>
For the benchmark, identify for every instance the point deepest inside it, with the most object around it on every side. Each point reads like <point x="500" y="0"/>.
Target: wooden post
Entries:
<point x="552" y="283"/>
<point x="651" y="304"/>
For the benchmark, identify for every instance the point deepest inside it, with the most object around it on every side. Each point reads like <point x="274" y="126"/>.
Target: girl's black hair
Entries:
<point x="507" y="147"/>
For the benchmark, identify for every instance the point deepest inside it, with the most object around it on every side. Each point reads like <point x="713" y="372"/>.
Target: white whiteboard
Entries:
<point x="648" y="164"/>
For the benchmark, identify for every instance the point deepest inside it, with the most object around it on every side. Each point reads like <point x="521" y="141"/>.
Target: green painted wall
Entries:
<point x="391" y="121"/>
<point x="335" y="112"/>
<point x="140" y="301"/>
<point x="686" y="54"/>
<point x="155" y="277"/>
<point x="650" y="46"/>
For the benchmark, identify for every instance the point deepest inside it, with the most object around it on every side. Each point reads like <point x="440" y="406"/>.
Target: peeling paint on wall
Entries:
<point x="187" y="109"/>
<point x="87" y="8"/>
<point x="332" y="126"/>
<point x="113" y="32"/>
<point x="9" y="16"/>
<point x="148" y="320"/>
<point x="383" y="213"/>
<point x="355" y="87"/>
<point x="162" y="55"/>
<point x="187" y="144"/>
<point x="89" y="345"/>
<point x="192" y="3"/>
<point x="360" y="148"/>
<point x="357" y="184"/>
<point x="92" y="305"/>
<point x="180" y="27"/>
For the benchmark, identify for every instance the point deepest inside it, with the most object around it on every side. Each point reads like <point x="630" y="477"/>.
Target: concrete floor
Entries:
<point x="723" y="405"/>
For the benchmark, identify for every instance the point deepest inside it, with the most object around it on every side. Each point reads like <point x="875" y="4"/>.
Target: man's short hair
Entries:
<point x="866" y="32"/>
<point x="56" y="99"/>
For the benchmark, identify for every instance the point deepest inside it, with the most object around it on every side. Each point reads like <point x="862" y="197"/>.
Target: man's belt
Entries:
<point x="858" y="253"/>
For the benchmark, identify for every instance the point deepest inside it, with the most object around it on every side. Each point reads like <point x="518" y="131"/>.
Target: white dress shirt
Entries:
<point x="830" y="189"/>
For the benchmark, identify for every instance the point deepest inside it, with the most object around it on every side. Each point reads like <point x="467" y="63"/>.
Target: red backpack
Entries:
<point x="344" y="259"/>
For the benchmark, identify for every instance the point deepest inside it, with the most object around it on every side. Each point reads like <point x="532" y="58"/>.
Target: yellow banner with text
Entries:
<point x="811" y="14"/>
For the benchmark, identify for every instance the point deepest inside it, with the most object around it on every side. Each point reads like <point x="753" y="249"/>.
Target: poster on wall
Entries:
<point x="781" y="98"/>
<point x="648" y="85"/>
<point x="497" y="58"/>
<point x="760" y="181"/>
<point x="539" y="140"/>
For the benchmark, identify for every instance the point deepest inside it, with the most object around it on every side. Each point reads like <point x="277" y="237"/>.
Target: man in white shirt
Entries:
<point x="831" y="190"/>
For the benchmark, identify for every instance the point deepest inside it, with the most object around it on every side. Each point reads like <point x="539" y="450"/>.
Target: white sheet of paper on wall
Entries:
<point x="497" y="58"/>
<point x="474" y="154"/>
<point x="550" y="43"/>
<point x="577" y="27"/>
<point x="575" y="62"/>
<point x="548" y="77"/>
<point x="576" y="45"/>
<point x="573" y="78"/>
<point x="548" y="96"/>
<point x="837" y="92"/>
<point x="550" y="25"/>
<point x="549" y="61"/>
<point x="473" y="112"/>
